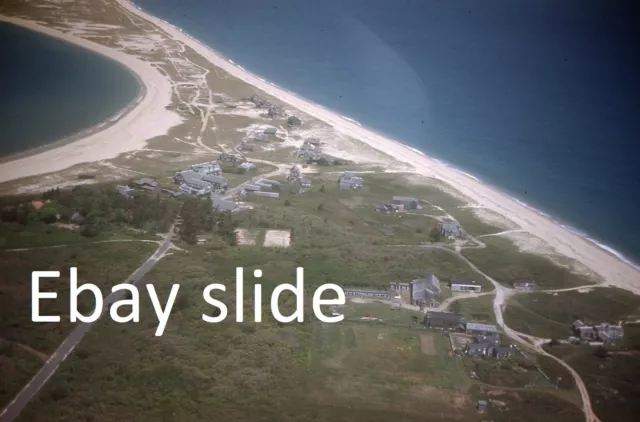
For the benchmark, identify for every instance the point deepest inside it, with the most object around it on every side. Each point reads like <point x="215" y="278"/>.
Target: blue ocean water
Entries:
<point x="539" y="98"/>
<point x="50" y="89"/>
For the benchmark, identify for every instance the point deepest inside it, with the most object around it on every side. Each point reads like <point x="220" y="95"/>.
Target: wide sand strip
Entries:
<point x="569" y="244"/>
<point x="128" y="131"/>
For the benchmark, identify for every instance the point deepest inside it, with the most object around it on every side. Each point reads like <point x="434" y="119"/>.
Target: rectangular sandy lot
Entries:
<point x="246" y="237"/>
<point x="427" y="344"/>
<point x="277" y="238"/>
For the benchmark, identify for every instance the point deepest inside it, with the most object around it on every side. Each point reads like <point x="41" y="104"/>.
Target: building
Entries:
<point x="482" y="329"/>
<point x="305" y="183"/>
<point x="362" y="292"/>
<point x="450" y="230"/>
<point x="125" y="191"/>
<point x="503" y="351"/>
<point x="293" y="121"/>
<point x="266" y="194"/>
<point x="259" y="102"/>
<point x="251" y="188"/>
<point x="210" y="167"/>
<point x="221" y="204"/>
<point x="247" y="165"/>
<point x="275" y="111"/>
<point x="460" y="286"/>
<point x="420" y="292"/>
<point x="229" y="157"/>
<point x="289" y="188"/>
<point x="444" y="320"/>
<point x="314" y="141"/>
<point x="482" y="406"/>
<point x="217" y="182"/>
<point x="406" y="202"/>
<point x="479" y="349"/>
<point x="172" y="193"/>
<point x="350" y="181"/>
<point x="260" y="137"/>
<point x="191" y="182"/>
<point x="295" y="172"/>
<point x="267" y="182"/>
<point x="523" y="284"/>
<point x="493" y="339"/>
<point x="270" y="130"/>
<point x="145" y="181"/>
<point x="76" y="218"/>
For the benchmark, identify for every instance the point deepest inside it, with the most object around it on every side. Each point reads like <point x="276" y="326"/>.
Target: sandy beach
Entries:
<point x="150" y="119"/>
<point x="147" y="119"/>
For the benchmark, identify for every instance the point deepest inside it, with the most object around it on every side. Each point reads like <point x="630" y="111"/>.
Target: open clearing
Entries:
<point x="427" y="345"/>
<point x="277" y="238"/>
<point x="246" y="237"/>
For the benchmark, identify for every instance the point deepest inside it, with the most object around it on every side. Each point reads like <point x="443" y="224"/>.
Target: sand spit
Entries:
<point x="127" y="131"/>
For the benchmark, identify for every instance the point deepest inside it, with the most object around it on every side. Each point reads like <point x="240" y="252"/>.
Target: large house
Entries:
<point x="444" y="320"/>
<point x="449" y="230"/>
<point x="350" y="181"/>
<point x="465" y="286"/>
<point x="293" y="121"/>
<point x="217" y="182"/>
<point x="405" y="202"/>
<point x="221" y="204"/>
<point x="420" y="292"/>
<point x="191" y="182"/>
<point x="211" y="167"/>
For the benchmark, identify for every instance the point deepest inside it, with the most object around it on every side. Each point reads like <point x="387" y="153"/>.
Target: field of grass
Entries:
<point x="613" y="381"/>
<point x="478" y="309"/>
<point x="503" y="262"/>
<point x="551" y="315"/>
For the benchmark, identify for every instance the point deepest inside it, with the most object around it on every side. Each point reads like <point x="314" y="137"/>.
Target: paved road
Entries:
<point x="11" y="412"/>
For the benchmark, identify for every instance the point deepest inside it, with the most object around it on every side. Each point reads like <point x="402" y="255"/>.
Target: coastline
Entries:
<point x="127" y="130"/>
<point x="150" y="119"/>
<point x="598" y="258"/>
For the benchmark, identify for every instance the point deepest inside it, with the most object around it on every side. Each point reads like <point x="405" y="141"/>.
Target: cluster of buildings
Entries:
<point x="600" y="333"/>
<point x="201" y="179"/>
<point x="295" y="176"/>
<point x="267" y="188"/>
<point x="485" y="340"/>
<point x="273" y="110"/>
<point x="350" y="181"/>
<point x="310" y="150"/>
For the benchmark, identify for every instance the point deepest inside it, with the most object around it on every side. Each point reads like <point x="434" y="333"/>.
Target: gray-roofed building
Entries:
<point x="251" y="188"/>
<point x="260" y="137"/>
<point x="482" y="329"/>
<point x="172" y="193"/>
<point x="217" y="182"/>
<point x="270" y="130"/>
<point x="444" y="320"/>
<point x="191" y="182"/>
<point x="482" y="406"/>
<point x="145" y="181"/>
<point x="295" y="172"/>
<point x="603" y="332"/>
<point x="268" y="182"/>
<point x="125" y="191"/>
<point x="479" y="349"/>
<point x="266" y="194"/>
<point x="229" y="157"/>
<point x="364" y="292"/>
<point x="289" y="188"/>
<point x="293" y="121"/>
<point x="275" y="111"/>
<point x="407" y="202"/>
<point x="503" y="351"/>
<point x="222" y="204"/>
<point x="493" y="339"/>
<point x="304" y="182"/>
<point x="465" y="286"/>
<point x="450" y="230"/>
<point x="350" y="181"/>
<point x="77" y="218"/>
<point x="210" y="167"/>
<point x="523" y="284"/>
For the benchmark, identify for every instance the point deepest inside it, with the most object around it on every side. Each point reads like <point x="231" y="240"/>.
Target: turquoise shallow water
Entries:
<point x="52" y="89"/>
<point x="539" y="98"/>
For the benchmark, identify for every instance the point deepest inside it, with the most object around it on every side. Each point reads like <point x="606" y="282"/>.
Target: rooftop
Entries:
<point x="482" y="327"/>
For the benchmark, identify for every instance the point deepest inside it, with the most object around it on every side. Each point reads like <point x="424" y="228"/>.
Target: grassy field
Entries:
<point x="104" y="265"/>
<point x="612" y="380"/>
<point x="551" y="315"/>
<point x="503" y="262"/>
<point x="479" y="309"/>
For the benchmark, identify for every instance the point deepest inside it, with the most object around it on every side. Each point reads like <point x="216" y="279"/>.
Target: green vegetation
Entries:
<point x="502" y="261"/>
<point x="478" y="309"/>
<point x="198" y="217"/>
<point x="612" y="378"/>
<point x="551" y="315"/>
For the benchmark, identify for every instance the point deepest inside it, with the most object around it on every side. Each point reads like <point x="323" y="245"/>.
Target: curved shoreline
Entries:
<point x="127" y="130"/>
<point x="602" y="262"/>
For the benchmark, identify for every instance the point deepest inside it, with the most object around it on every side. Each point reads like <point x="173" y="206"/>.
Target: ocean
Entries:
<point x="538" y="98"/>
<point x="52" y="89"/>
